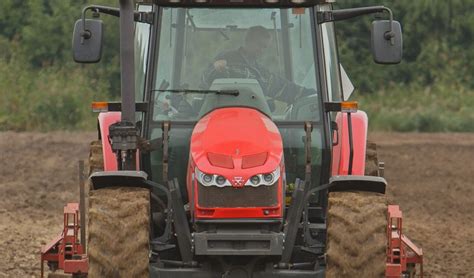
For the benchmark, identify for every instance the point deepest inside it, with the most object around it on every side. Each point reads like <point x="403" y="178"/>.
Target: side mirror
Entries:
<point x="87" y="41"/>
<point x="387" y="42"/>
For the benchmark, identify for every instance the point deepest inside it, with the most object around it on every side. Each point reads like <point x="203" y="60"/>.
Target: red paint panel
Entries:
<point x="341" y="152"/>
<point x="220" y="160"/>
<point x="236" y="132"/>
<point x="393" y="270"/>
<point x="76" y="266"/>
<point x="253" y="143"/>
<point x="224" y="213"/>
<point x="254" y="160"/>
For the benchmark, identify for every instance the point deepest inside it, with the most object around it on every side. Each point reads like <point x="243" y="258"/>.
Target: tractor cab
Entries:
<point x="261" y="51"/>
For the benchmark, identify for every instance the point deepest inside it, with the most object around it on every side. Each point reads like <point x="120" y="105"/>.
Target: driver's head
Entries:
<point x="257" y="40"/>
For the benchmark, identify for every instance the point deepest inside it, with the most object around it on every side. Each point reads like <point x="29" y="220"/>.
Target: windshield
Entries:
<point x="267" y="55"/>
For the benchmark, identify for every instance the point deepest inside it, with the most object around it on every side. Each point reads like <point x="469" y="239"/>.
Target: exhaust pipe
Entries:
<point x="127" y="60"/>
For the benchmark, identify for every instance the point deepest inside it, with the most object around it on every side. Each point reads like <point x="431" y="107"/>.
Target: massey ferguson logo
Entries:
<point x="238" y="182"/>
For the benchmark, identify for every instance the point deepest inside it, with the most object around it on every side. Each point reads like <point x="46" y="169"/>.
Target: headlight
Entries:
<point x="220" y="180"/>
<point x="264" y="179"/>
<point x="211" y="180"/>
<point x="268" y="177"/>
<point x="207" y="178"/>
<point x="255" y="180"/>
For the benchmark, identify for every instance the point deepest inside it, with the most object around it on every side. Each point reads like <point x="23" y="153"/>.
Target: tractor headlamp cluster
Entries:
<point x="211" y="180"/>
<point x="267" y="179"/>
<point x="264" y="179"/>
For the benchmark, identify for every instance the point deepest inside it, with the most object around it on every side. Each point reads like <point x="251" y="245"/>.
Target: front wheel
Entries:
<point x="356" y="234"/>
<point x="118" y="243"/>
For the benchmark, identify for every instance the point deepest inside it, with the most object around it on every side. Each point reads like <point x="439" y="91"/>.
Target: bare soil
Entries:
<point x="429" y="175"/>
<point x="38" y="176"/>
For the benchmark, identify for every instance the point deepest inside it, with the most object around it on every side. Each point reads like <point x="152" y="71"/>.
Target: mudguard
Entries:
<point x="341" y="151"/>
<point x="106" y="119"/>
<point x="357" y="183"/>
<point x="119" y="178"/>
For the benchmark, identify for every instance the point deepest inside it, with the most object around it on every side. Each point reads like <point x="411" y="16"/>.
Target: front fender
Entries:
<point x="119" y="178"/>
<point x="340" y="152"/>
<point x="357" y="183"/>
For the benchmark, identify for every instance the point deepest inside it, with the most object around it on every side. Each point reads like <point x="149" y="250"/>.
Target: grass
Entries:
<point x="56" y="98"/>
<point x="439" y="108"/>
<point x="47" y="99"/>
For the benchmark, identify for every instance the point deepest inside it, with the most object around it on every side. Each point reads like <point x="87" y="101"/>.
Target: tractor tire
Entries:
<point x="96" y="160"/>
<point x="371" y="160"/>
<point x="118" y="227"/>
<point x="118" y="243"/>
<point x="57" y="274"/>
<point x="356" y="234"/>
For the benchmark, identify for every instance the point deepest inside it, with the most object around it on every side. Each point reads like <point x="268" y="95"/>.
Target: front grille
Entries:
<point x="228" y="197"/>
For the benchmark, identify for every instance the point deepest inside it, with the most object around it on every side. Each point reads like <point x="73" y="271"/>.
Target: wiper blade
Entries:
<point x="217" y="92"/>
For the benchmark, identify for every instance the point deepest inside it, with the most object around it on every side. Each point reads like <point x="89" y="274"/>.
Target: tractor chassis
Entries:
<point x="199" y="242"/>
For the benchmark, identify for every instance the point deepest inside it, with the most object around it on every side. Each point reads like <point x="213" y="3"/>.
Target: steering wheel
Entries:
<point x="237" y="70"/>
<point x="306" y="105"/>
<point x="164" y="108"/>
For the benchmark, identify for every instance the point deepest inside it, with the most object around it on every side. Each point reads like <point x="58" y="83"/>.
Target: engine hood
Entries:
<point x="236" y="143"/>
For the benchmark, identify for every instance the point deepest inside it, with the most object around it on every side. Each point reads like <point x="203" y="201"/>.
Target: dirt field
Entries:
<point x="38" y="176"/>
<point x="430" y="176"/>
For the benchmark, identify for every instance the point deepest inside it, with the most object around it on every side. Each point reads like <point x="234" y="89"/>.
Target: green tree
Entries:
<point x="437" y="38"/>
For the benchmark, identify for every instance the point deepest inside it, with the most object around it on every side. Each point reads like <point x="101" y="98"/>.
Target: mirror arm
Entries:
<point x="390" y="35"/>
<point x="86" y="34"/>
<point x="144" y="17"/>
<point x="343" y="14"/>
<point x="101" y="9"/>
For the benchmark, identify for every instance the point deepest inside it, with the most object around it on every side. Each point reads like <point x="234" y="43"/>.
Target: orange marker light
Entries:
<point x="349" y="106"/>
<point x="298" y="11"/>
<point x="100" y="106"/>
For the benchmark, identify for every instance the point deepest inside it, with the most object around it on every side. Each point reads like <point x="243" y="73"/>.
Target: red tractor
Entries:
<point x="234" y="151"/>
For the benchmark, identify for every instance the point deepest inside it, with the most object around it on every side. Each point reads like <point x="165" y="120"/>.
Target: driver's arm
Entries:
<point x="283" y="89"/>
<point x="215" y="70"/>
<point x="218" y="68"/>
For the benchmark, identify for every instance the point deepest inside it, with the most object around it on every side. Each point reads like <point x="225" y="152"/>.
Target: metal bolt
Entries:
<point x="382" y="169"/>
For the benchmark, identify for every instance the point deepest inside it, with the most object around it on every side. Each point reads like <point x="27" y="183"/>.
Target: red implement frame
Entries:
<point x="65" y="251"/>
<point x="402" y="253"/>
